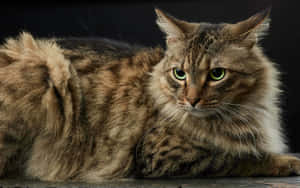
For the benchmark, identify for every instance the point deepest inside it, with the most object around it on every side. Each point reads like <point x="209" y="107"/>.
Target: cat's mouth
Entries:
<point x="200" y="110"/>
<point x="210" y="105"/>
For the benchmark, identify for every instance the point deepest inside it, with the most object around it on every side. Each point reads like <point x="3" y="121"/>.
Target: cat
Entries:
<point x="78" y="109"/>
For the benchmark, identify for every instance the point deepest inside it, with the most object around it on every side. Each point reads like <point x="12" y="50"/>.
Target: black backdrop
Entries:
<point x="134" y="22"/>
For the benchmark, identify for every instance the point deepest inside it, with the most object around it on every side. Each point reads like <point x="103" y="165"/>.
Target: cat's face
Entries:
<point x="211" y="67"/>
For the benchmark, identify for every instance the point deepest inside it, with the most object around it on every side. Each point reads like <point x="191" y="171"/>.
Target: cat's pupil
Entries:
<point x="217" y="72"/>
<point x="180" y="73"/>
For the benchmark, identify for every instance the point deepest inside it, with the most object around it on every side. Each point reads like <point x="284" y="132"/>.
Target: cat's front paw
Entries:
<point x="285" y="165"/>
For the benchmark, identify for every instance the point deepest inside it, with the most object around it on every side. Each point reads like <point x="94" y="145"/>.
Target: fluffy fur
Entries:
<point x="95" y="109"/>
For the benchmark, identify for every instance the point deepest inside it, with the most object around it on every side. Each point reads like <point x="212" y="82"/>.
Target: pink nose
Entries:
<point x="193" y="101"/>
<point x="192" y="95"/>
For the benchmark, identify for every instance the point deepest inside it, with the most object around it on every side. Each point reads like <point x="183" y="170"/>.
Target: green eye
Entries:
<point x="179" y="74"/>
<point x="217" y="74"/>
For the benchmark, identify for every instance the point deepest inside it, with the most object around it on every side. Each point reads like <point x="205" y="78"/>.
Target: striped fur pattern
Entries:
<point x="94" y="109"/>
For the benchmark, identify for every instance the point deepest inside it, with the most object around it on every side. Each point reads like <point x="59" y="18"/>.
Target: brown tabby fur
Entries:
<point x="89" y="110"/>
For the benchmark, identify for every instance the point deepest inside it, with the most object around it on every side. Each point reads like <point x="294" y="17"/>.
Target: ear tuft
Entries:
<point x="174" y="28"/>
<point x="252" y="29"/>
<point x="262" y="29"/>
<point x="168" y="25"/>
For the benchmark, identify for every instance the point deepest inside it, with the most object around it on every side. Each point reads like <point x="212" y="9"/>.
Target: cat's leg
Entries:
<point x="163" y="154"/>
<point x="266" y="165"/>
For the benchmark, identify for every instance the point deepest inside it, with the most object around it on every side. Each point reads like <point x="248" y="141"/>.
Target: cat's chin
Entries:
<point x="201" y="113"/>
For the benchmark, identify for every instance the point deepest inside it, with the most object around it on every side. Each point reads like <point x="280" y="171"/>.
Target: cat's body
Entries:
<point x="88" y="110"/>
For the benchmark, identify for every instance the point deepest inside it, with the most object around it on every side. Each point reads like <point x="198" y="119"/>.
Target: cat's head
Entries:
<point x="210" y="68"/>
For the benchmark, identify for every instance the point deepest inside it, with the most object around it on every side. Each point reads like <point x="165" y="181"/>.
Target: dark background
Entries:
<point x="134" y="22"/>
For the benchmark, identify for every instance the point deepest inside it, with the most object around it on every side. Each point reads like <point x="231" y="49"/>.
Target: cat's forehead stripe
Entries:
<point x="202" y="44"/>
<point x="205" y="38"/>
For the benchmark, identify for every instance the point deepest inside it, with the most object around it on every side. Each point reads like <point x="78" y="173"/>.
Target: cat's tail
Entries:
<point x="40" y="87"/>
<point x="63" y="96"/>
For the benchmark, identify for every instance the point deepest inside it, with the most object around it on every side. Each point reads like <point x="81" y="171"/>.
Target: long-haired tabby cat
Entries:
<point x="94" y="109"/>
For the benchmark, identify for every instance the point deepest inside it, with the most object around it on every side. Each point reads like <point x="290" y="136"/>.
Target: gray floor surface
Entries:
<point x="288" y="182"/>
<point x="260" y="182"/>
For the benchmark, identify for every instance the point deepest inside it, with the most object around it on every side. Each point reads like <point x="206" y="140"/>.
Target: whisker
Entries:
<point x="247" y="107"/>
<point x="244" y="118"/>
<point x="255" y="110"/>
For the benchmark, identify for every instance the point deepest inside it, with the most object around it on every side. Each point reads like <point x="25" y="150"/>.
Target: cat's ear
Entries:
<point x="252" y="29"/>
<point x="174" y="28"/>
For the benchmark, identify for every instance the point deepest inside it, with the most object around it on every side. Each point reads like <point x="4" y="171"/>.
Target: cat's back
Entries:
<point x="101" y="46"/>
<point x="95" y="55"/>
